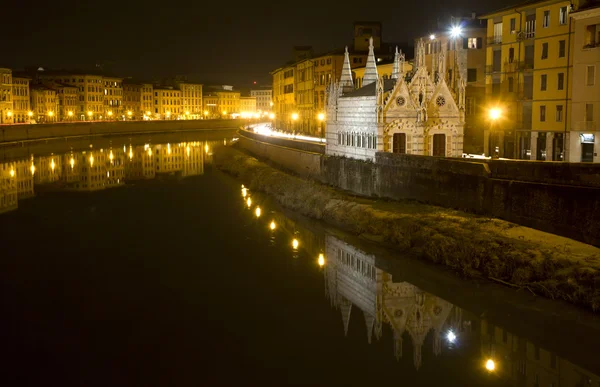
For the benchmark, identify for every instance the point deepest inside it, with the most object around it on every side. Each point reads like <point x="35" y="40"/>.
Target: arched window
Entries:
<point x="339" y="138"/>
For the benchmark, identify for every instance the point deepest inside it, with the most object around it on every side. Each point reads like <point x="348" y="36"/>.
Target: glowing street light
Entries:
<point x="451" y="337"/>
<point x="51" y="113"/>
<point x="32" y="168"/>
<point x="272" y="116"/>
<point x="257" y="212"/>
<point x="90" y="113"/>
<point x="495" y="114"/>
<point x="432" y="37"/>
<point x="9" y="113"/>
<point x="70" y="113"/>
<point x="272" y="225"/>
<point x="295" y="244"/>
<point x="294" y="116"/>
<point x="129" y="113"/>
<point x="12" y="172"/>
<point x="110" y="113"/>
<point x="30" y="113"/>
<point x="321" y="260"/>
<point x="148" y="113"/>
<point x="490" y="365"/>
<point x="455" y="31"/>
<point x="249" y="202"/>
<point x="321" y="116"/>
<point x="244" y="192"/>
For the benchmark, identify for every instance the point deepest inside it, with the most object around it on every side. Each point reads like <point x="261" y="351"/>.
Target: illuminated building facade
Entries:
<point x="247" y="105"/>
<point x="48" y="169"/>
<point x="113" y="98"/>
<point x="21" y="99"/>
<point x="167" y="103"/>
<point x="132" y="100"/>
<point x="410" y="113"/>
<point x="6" y="99"/>
<point x="264" y="98"/>
<point x="25" y="170"/>
<point x="67" y="101"/>
<point x="227" y="101"/>
<point x="44" y="104"/>
<point x="191" y="100"/>
<point x="584" y="137"/>
<point x="528" y="75"/>
<point x="142" y="164"/>
<point x="90" y="91"/>
<point x="147" y="95"/>
<point x="169" y="158"/>
<point x="211" y="105"/>
<point x="193" y="161"/>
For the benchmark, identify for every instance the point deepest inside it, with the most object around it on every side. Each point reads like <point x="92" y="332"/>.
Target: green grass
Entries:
<point x="471" y="245"/>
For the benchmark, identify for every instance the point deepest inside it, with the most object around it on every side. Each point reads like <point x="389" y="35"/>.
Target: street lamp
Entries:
<point x="129" y="113"/>
<point x="294" y="119"/>
<point x="494" y="115"/>
<point x="70" y="113"/>
<point x="432" y="37"/>
<point x="50" y="114"/>
<point x="9" y="113"/>
<point x="321" y="117"/>
<point x="90" y="114"/>
<point x="110" y="113"/>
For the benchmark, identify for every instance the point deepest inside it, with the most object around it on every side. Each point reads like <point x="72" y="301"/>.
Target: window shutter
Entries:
<point x="479" y="42"/>
<point x="465" y="43"/>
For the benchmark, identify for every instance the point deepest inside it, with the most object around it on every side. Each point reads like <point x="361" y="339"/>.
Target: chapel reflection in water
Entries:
<point x="354" y="283"/>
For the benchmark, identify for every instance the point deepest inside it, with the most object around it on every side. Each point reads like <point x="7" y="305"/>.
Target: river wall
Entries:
<point x="561" y="198"/>
<point x="36" y="132"/>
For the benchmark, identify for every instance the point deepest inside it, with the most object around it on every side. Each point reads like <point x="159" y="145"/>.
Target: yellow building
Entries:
<point x="211" y="105"/>
<point x="6" y="102"/>
<point x="142" y="164"/>
<point x="193" y="160"/>
<point x="191" y="100"/>
<point x="247" y="106"/>
<point x="584" y="137"/>
<point x="167" y="103"/>
<point x="25" y="170"/>
<point x="284" y="96"/>
<point x="44" y="104"/>
<point x="227" y="101"/>
<point x="264" y="98"/>
<point x="90" y="91"/>
<point x="93" y="170"/>
<point x="8" y="187"/>
<point x="132" y="101"/>
<point x="528" y="76"/>
<point x="147" y="92"/>
<point x="21" y="99"/>
<point x="48" y="169"/>
<point x="113" y="98"/>
<point x="68" y="101"/>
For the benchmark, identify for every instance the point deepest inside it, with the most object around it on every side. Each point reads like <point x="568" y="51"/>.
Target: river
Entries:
<point x="132" y="261"/>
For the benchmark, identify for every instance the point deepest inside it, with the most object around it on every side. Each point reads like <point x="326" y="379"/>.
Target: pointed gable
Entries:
<point x="442" y="103"/>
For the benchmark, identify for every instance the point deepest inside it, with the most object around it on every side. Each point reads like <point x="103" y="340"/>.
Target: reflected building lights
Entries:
<point x="249" y="202"/>
<point x="321" y="260"/>
<point x="257" y="212"/>
<point x="272" y="225"/>
<point x="295" y="244"/>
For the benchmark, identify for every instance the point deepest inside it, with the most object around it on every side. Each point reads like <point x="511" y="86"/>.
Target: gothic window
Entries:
<point x="420" y="98"/>
<point x="401" y="101"/>
<point x="440" y="101"/>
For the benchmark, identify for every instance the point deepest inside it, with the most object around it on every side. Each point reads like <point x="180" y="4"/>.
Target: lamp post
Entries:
<point x="494" y="115"/>
<point x="30" y="114"/>
<point x="294" y="119"/>
<point x="321" y="118"/>
<point x="90" y="114"/>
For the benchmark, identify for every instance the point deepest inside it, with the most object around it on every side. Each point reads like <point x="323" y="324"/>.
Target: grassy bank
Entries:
<point x="474" y="246"/>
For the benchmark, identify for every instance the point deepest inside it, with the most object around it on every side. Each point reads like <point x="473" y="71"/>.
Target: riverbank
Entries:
<point x="25" y="132"/>
<point x="471" y="245"/>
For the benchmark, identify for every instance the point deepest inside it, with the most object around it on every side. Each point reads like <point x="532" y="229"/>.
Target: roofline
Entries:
<point x="519" y="7"/>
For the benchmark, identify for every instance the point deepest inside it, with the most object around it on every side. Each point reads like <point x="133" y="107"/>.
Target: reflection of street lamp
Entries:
<point x="494" y="115"/>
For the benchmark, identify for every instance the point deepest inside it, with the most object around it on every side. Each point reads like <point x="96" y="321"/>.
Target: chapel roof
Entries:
<point x="370" y="89"/>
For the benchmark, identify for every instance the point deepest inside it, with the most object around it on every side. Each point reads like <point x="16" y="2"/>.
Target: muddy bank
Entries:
<point x="473" y="246"/>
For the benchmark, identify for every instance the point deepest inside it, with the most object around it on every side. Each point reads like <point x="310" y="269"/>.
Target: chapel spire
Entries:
<point x="396" y="69"/>
<point x="371" y="75"/>
<point x="346" y="79"/>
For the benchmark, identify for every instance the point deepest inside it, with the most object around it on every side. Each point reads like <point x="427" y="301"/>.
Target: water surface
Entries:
<point x="156" y="270"/>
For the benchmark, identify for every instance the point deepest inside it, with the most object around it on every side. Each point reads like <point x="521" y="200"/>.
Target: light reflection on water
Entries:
<point x="94" y="169"/>
<point x="420" y="324"/>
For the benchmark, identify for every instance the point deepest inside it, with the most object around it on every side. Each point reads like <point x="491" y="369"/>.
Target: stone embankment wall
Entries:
<point x="17" y="133"/>
<point x="561" y="198"/>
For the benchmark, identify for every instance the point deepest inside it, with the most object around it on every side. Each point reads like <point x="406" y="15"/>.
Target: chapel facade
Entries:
<point x="413" y="112"/>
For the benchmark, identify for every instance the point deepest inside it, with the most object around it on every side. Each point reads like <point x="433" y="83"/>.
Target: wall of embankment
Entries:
<point x="36" y="132"/>
<point x="560" y="198"/>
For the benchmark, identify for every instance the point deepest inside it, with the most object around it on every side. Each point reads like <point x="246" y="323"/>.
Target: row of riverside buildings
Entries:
<point x="517" y="83"/>
<point x="46" y="96"/>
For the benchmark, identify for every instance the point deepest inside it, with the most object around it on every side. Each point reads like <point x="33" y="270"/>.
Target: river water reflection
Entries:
<point x="181" y="275"/>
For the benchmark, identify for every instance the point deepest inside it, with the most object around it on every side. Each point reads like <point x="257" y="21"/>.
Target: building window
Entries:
<point x="562" y="16"/>
<point x="474" y="43"/>
<point x="545" y="50"/>
<point x="513" y="25"/>
<point x="511" y="85"/>
<point x="471" y="75"/>
<point x="561" y="81"/>
<point x="590" y="76"/>
<point x="470" y="106"/>
<point x="511" y="55"/>
<point x="559" y="113"/>
<point x="542" y="113"/>
<point x="561" y="49"/>
<point x="589" y="112"/>
<point x="546" y="20"/>
<point x="590" y="35"/>
<point x="543" y="82"/>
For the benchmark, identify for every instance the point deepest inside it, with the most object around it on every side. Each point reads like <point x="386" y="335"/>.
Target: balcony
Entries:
<point x="496" y="39"/>
<point x="529" y="32"/>
<point x="489" y="69"/>
<point x="585" y="126"/>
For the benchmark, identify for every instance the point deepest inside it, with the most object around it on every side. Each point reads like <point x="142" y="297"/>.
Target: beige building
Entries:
<point x="193" y="160"/>
<point x="211" y="105"/>
<point x="584" y="137"/>
<point x="90" y="91"/>
<point x="6" y="101"/>
<point x="264" y="98"/>
<point x="226" y="101"/>
<point x="113" y="98"/>
<point x="68" y="101"/>
<point x="147" y="92"/>
<point x="191" y="100"/>
<point x="132" y="101"/>
<point x="247" y="106"/>
<point x="44" y="104"/>
<point x="167" y="103"/>
<point x="21" y="100"/>
<point x="8" y="187"/>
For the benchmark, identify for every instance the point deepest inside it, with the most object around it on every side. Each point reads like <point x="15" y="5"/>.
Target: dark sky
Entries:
<point x="210" y="41"/>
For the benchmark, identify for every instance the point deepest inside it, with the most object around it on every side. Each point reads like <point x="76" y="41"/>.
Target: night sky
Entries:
<point x="217" y="42"/>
